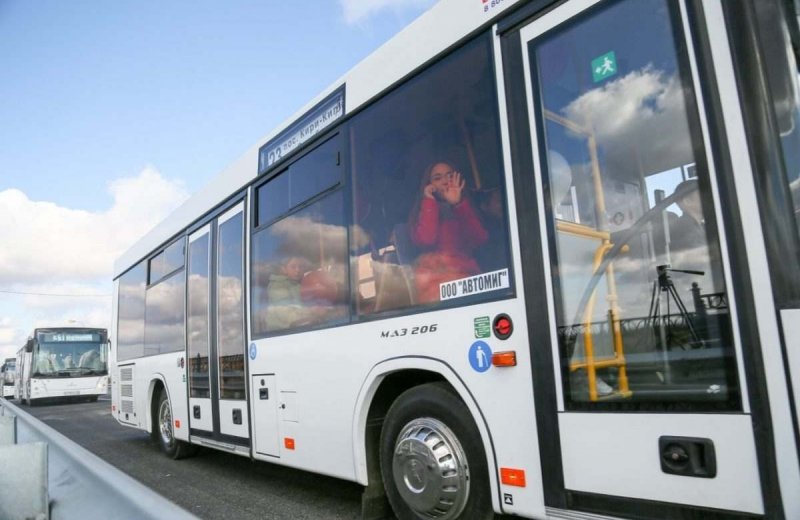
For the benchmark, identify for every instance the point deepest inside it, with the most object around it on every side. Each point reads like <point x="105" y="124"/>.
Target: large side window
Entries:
<point x="130" y="313"/>
<point x="164" y="309"/>
<point x="198" y="313"/>
<point x="429" y="198"/>
<point x="641" y="300"/>
<point x="299" y="249"/>
<point x="230" y="307"/>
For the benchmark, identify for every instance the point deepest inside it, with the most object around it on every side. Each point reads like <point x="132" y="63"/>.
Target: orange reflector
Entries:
<point x="113" y="407"/>
<point x="288" y="442"/>
<point x="512" y="477"/>
<point x="504" y="359"/>
<point x="177" y="423"/>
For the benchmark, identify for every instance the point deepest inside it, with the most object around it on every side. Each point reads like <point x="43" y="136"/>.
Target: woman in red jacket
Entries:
<point x="445" y="225"/>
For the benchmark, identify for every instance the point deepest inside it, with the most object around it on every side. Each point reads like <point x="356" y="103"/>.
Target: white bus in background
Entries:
<point x="62" y="364"/>
<point x="8" y="372"/>
<point x="536" y="258"/>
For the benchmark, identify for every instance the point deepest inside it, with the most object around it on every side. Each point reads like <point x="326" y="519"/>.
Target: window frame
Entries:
<point x="226" y="215"/>
<point x="697" y="108"/>
<point x="142" y="263"/>
<point x="163" y="251"/>
<point x="173" y="274"/>
<point x="337" y="131"/>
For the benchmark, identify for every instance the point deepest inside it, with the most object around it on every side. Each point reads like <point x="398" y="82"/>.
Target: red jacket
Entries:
<point x="460" y="234"/>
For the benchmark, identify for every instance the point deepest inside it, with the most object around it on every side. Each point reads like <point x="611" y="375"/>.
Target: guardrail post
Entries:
<point x="23" y="481"/>
<point x="8" y="430"/>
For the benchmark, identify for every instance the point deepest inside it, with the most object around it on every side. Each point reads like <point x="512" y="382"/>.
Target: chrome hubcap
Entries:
<point x="430" y="469"/>
<point x="165" y="423"/>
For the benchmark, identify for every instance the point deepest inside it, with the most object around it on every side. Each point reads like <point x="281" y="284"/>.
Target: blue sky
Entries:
<point x="113" y="112"/>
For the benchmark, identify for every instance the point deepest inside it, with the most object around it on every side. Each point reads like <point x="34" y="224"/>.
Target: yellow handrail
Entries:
<point x="590" y="364"/>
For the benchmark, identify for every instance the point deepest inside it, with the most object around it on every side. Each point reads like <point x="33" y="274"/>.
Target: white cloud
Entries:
<point x="45" y="243"/>
<point x="357" y="11"/>
<point x="639" y="120"/>
<point x="50" y="249"/>
<point x="11" y="338"/>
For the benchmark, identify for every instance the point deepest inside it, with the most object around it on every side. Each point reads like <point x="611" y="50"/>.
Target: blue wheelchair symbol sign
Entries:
<point x="253" y="351"/>
<point x="480" y="356"/>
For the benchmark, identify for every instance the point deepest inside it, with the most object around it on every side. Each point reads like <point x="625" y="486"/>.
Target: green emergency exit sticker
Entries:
<point x="604" y="66"/>
<point x="483" y="327"/>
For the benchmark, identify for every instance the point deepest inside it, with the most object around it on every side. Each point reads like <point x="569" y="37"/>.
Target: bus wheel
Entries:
<point x="171" y="446"/>
<point x="432" y="459"/>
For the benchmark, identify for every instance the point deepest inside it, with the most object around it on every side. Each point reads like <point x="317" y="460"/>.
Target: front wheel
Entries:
<point x="432" y="459"/>
<point x="172" y="447"/>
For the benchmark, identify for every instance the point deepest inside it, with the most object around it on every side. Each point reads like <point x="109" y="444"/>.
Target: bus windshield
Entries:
<point x="69" y="355"/>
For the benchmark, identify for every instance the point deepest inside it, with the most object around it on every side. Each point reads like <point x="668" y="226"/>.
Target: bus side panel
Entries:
<point x="791" y="335"/>
<point x="151" y="373"/>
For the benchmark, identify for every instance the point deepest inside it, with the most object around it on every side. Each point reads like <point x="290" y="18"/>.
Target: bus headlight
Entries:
<point x="102" y="382"/>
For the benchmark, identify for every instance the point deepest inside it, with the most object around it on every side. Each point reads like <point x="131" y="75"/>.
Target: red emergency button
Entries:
<point x="502" y="326"/>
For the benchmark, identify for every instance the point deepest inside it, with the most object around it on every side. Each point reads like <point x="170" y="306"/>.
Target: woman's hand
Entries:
<point x="452" y="192"/>
<point x="429" y="190"/>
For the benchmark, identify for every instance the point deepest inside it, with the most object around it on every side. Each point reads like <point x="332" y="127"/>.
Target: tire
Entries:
<point x="163" y="432"/>
<point x="93" y="399"/>
<point x="433" y="463"/>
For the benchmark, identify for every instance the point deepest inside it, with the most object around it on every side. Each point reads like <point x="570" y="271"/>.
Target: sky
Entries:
<point x="113" y="113"/>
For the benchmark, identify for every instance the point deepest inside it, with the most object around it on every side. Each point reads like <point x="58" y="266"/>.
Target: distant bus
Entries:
<point x="62" y="364"/>
<point x="8" y="372"/>
<point x="538" y="258"/>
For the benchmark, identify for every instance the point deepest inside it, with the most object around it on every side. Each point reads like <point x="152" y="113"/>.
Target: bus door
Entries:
<point x="215" y="329"/>
<point x="651" y="404"/>
<point x="773" y="133"/>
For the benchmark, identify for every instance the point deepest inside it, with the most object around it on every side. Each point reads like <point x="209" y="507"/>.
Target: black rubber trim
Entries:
<point x="646" y="509"/>
<point x="227" y="439"/>
<point x="534" y="282"/>
<point x="742" y="36"/>
<point x="525" y="13"/>
<point x="769" y="172"/>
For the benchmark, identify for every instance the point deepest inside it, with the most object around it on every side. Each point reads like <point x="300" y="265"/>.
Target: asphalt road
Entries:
<point x="213" y="484"/>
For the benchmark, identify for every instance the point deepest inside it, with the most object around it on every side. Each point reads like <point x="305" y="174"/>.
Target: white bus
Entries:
<point x="8" y="372"/>
<point x="535" y="258"/>
<point x="62" y="364"/>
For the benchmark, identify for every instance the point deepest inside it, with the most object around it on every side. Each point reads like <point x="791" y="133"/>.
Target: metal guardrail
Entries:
<point x="46" y="475"/>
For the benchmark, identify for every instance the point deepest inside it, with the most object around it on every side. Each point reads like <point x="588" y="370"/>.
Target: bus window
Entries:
<point x="164" y="316"/>
<point x="299" y="260"/>
<point x="130" y="309"/>
<point x="641" y="302"/>
<point x="428" y="189"/>
<point x="230" y="311"/>
<point x="166" y="261"/>
<point x="198" y="310"/>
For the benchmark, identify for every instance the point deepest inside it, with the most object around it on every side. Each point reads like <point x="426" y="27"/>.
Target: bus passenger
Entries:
<point x="283" y="294"/>
<point x="445" y="225"/>
<point x="90" y="359"/>
<point x="688" y="231"/>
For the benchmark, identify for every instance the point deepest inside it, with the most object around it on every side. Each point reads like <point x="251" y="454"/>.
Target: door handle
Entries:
<point x="263" y="393"/>
<point x="688" y="456"/>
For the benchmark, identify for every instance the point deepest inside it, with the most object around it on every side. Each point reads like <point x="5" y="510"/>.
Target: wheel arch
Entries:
<point x="383" y="384"/>
<point x="157" y="383"/>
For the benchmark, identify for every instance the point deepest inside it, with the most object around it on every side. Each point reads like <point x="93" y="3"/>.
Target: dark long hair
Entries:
<point x="413" y="217"/>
